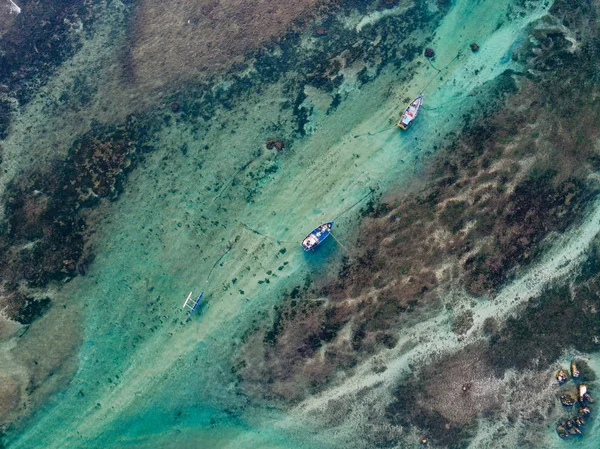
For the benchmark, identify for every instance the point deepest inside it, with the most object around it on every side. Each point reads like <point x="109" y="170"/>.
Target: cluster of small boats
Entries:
<point x="570" y="398"/>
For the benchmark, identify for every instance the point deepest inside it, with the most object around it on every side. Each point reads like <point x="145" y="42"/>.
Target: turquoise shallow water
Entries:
<point x="145" y="376"/>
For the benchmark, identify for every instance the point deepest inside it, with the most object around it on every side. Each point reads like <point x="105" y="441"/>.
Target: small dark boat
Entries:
<point x="411" y="112"/>
<point x="316" y="237"/>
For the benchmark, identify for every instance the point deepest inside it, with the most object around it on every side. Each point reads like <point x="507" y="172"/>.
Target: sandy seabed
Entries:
<point x="145" y="376"/>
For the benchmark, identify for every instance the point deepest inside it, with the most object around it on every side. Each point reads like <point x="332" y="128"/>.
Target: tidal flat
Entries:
<point x="148" y="150"/>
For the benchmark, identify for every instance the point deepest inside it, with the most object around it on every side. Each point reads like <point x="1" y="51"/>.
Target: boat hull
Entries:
<point x="317" y="236"/>
<point x="410" y="113"/>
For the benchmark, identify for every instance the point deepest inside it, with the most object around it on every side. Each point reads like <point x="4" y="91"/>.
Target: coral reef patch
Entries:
<point x="47" y="215"/>
<point x="489" y="203"/>
<point x="435" y="402"/>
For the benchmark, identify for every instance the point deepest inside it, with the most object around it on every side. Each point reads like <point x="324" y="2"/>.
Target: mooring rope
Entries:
<point x="263" y="234"/>
<point x="371" y="191"/>
<point x="387" y="128"/>
<point x="220" y="259"/>
<point x="244" y="167"/>
<point x="339" y="243"/>
<point x="458" y="55"/>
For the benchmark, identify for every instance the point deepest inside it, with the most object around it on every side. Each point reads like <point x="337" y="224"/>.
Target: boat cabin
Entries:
<point x="317" y="236"/>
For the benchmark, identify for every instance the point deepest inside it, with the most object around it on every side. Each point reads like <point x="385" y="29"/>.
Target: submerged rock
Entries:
<point x="429" y="53"/>
<point x="321" y="31"/>
<point x="275" y="144"/>
<point x="474" y="47"/>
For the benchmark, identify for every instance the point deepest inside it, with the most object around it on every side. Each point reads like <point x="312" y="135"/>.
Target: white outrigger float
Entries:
<point x="192" y="304"/>
<point x="411" y="112"/>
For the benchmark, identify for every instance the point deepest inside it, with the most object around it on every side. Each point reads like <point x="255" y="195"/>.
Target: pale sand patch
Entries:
<point x="13" y="382"/>
<point x="39" y="359"/>
<point x="376" y="16"/>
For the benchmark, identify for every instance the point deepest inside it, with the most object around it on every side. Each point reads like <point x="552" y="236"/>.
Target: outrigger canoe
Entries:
<point x="316" y="237"/>
<point x="411" y="112"/>
<point x="192" y="304"/>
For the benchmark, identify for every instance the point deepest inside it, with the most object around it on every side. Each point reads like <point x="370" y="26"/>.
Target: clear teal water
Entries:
<point x="145" y="376"/>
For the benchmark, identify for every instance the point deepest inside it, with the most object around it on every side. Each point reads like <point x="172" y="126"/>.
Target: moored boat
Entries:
<point x="192" y="304"/>
<point x="317" y="236"/>
<point x="411" y="112"/>
<point x="561" y="376"/>
<point x="574" y="371"/>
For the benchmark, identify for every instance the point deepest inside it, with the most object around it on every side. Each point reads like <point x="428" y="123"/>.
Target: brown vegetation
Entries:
<point x="434" y="400"/>
<point x="277" y="144"/>
<point x="45" y="233"/>
<point x="493" y="198"/>
<point x="187" y="40"/>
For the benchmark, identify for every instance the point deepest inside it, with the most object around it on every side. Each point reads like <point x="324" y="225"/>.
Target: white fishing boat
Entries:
<point x="411" y="112"/>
